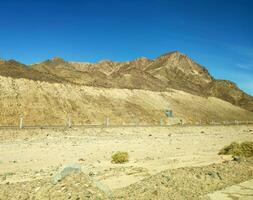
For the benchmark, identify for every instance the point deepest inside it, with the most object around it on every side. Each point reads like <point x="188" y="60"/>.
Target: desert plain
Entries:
<point x="28" y="155"/>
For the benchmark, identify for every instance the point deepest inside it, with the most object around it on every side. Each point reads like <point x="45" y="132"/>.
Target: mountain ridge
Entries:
<point x="172" y="70"/>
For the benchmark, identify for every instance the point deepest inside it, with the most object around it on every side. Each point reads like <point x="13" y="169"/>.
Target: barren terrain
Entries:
<point x="169" y="114"/>
<point x="28" y="155"/>
<point x="42" y="103"/>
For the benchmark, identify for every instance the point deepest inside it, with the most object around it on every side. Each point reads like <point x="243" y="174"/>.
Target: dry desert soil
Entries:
<point x="177" y="162"/>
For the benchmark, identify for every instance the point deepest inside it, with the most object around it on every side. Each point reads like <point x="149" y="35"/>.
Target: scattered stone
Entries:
<point x="214" y="175"/>
<point x="65" y="171"/>
<point x="91" y="174"/>
<point x="237" y="158"/>
<point x="3" y="178"/>
<point x="150" y="135"/>
<point x="198" y="176"/>
<point x="37" y="189"/>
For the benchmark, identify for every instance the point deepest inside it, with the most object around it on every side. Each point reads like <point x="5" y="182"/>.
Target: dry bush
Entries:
<point x="244" y="149"/>
<point x="120" y="157"/>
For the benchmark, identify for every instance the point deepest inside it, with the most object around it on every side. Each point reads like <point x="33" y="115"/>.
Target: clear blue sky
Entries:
<point x="216" y="33"/>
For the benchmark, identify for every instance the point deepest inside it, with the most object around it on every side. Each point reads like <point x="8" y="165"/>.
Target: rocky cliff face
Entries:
<point x="170" y="71"/>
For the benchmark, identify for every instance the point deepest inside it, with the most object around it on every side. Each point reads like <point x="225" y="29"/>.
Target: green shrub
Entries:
<point x="244" y="149"/>
<point x="120" y="157"/>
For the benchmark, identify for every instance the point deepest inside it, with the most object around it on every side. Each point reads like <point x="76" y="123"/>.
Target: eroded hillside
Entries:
<point x="43" y="103"/>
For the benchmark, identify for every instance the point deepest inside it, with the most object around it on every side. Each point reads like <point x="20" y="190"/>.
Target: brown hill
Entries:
<point x="228" y="91"/>
<point x="180" y="72"/>
<point x="169" y="71"/>
<point x="43" y="103"/>
<point x="74" y="74"/>
<point x="14" y="69"/>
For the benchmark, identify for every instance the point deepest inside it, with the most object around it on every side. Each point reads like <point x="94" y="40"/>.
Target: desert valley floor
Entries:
<point x="32" y="155"/>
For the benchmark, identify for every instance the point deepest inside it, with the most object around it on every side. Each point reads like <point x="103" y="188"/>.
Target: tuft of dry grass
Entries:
<point x="244" y="149"/>
<point x="120" y="157"/>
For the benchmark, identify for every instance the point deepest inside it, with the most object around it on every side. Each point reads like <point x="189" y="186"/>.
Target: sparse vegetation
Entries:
<point x="244" y="149"/>
<point x="120" y="157"/>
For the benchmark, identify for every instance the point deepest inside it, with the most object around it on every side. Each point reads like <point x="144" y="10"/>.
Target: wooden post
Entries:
<point x="21" y="122"/>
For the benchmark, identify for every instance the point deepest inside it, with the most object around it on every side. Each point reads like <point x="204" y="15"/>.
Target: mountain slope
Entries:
<point x="170" y="71"/>
<point x="15" y="69"/>
<point x="228" y="91"/>
<point x="43" y="103"/>
<point x="180" y="72"/>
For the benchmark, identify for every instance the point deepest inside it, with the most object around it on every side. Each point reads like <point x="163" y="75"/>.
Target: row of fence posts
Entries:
<point x="107" y="122"/>
<point x="21" y="125"/>
<point x="69" y="124"/>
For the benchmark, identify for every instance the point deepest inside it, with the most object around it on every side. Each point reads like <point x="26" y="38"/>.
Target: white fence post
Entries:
<point x="107" y="122"/>
<point x="21" y="122"/>
<point x="161" y="122"/>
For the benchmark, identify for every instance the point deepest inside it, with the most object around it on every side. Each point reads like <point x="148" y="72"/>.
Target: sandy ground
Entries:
<point x="242" y="191"/>
<point x="35" y="154"/>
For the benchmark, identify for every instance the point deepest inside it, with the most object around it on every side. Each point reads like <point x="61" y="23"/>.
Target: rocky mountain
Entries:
<point x="228" y="91"/>
<point x="14" y="69"/>
<point x="169" y="71"/>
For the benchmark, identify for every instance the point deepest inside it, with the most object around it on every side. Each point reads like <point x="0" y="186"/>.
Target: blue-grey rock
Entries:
<point x="65" y="171"/>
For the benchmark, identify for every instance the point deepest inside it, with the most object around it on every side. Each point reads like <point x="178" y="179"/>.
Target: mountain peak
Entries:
<point x="143" y="59"/>
<point x="57" y="59"/>
<point x="171" y="54"/>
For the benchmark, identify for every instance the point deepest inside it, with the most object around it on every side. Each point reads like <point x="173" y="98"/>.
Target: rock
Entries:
<point x="4" y="178"/>
<point x="65" y="171"/>
<point x="37" y="189"/>
<point x="214" y="175"/>
<point x="198" y="176"/>
<point x="237" y="158"/>
<point x="102" y="187"/>
<point x="91" y="173"/>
